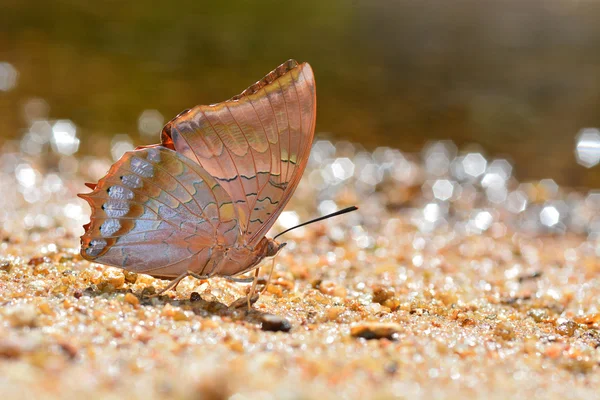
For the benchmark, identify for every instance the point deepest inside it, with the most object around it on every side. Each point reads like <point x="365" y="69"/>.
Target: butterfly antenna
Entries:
<point x="340" y="212"/>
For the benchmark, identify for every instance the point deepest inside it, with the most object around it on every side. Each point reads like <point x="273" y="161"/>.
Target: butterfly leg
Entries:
<point x="269" y="278"/>
<point x="197" y="276"/>
<point x="239" y="280"/>
<point x="173" y="284"/>
<point x="252" y="296"/>
<point x="253" y="288"/>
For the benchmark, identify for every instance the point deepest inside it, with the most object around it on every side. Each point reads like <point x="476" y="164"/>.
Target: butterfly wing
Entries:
<point x="159" y="213"/>
<point x="255" y="145"/>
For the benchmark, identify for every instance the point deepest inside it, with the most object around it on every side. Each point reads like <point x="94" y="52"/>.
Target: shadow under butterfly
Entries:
<point x="200" y="203"/>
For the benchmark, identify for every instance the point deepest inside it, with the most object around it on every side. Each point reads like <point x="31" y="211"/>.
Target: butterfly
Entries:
<point x="201" y="202"/>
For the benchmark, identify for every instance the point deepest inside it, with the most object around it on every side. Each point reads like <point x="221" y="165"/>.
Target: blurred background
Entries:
<point x="513" y="79"/>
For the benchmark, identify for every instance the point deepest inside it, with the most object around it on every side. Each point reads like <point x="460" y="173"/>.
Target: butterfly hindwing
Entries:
<point x="157" y="212"/>
<point x="255" y="145"/>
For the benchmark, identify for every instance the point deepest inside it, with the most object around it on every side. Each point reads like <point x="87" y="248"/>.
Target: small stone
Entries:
<point x="62" y="289"/>
<point x="195" y="296"/>
<point x="393" y="304"/>
<point x="538" y="315"/>
<point x="505" y="331"/>
<point x="448" y="298"/>
<point x="209" y="324"/>
<point x="332" y="289"/>
<point x="381" y="294"/>
<point x="132" y="299"/>
<point x="65" y="258"/>
<point x="334" y="312"/>
<point x="148" y="291"/>
<point x="38" y="260"/>
<point x="46" y="309"/>
<point x="180" y="315"/>
<point x="114" y="277"/>
<point x="106" y="287"/>
<point x="5" y="266"/>
<point x="275" y="290"/>
<point x="273" y="323"/>
<point x="130" y="277"/>
<point x="566" y="328"/>
<point x="236" y="345"/>
<point x="175" y="313"/>
<point x="376" y="330"/>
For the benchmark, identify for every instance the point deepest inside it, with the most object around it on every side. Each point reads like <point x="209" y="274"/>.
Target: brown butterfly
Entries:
<point x="201" y="202"/>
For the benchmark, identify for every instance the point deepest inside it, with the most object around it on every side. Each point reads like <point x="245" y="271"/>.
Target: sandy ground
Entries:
<point x="386" y="302"/>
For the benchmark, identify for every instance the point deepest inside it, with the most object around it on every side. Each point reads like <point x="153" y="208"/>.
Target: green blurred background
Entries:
<point x="518" y="78"/>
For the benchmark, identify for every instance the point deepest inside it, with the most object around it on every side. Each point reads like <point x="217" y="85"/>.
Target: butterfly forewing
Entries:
<point x="158" y="212"/>
<point x="255" y="145"/>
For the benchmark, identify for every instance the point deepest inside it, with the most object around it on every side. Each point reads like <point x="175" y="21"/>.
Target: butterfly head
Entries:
<point x="273" y="247"/>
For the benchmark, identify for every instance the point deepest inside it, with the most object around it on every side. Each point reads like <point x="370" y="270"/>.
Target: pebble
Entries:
<point x="5" y="266"/>
<point x="130" y="277"/>
<point x="114" y="277"/>
<point x="38" y="260"/>
<point x="381" y="294"/>
<point x="376" y="330"/>
<point x="273" y="323"/>
<point x="46" y="309"/>
<point x="195" y="296"/>
<point x="566" y="328"/>
<point x="174" y="312"/>
<point x="132" y="299"/>
<point x="331" y="288"/>
<point x="505" y="330"/>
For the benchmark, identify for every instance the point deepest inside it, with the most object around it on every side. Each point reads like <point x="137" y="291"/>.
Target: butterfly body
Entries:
<point x="202" y="201"/>
<point x="243" y="258"/>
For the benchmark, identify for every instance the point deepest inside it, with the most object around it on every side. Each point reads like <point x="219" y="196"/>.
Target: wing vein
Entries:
<point x="276" y="125"/>
<point x="268" y="145"/>
<point x="250" y="150"/>
<point x="188" y="192"/>
<point x="287" y="167"/>
<point x="301" y="131"/>
<point x="199" y="163"/>
<point x="239" y="179"/>
<point x="175" y="198"/>
<point x="270" y="169"/>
